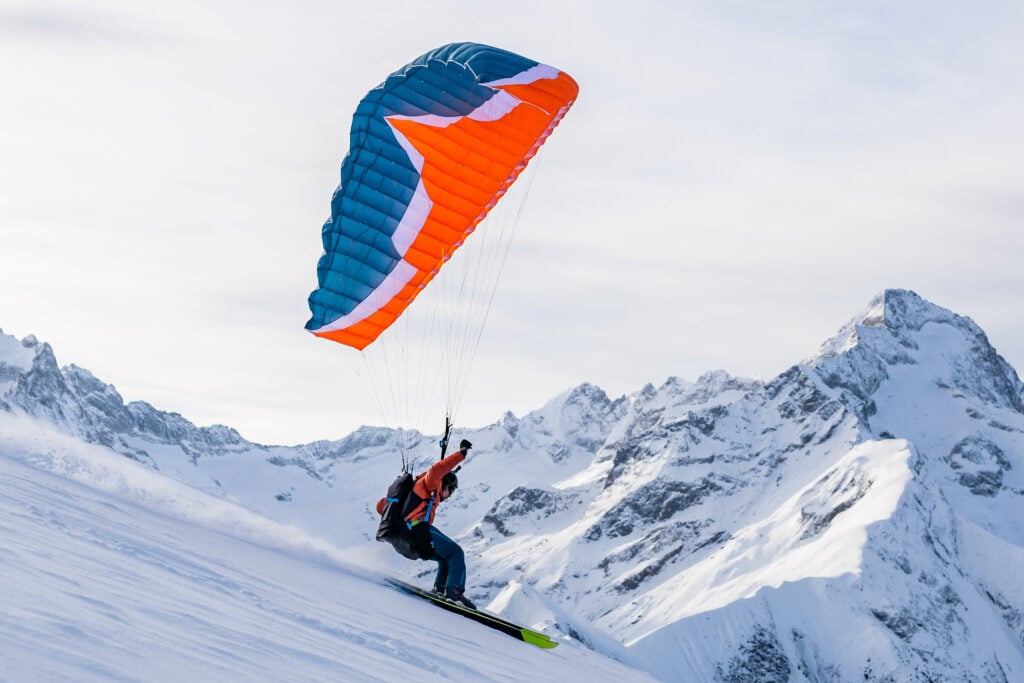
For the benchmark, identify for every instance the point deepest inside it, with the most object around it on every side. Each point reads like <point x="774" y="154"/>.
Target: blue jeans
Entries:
<point x="451" y="562"/>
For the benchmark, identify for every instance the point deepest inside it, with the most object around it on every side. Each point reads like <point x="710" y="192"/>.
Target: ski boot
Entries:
<point x="456" y="595"/>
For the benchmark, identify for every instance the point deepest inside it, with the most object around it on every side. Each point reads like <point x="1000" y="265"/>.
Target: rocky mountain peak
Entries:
<point x="899" y="329"/>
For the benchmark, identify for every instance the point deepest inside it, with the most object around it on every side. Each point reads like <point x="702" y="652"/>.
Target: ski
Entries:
<point x="486" y="618"/>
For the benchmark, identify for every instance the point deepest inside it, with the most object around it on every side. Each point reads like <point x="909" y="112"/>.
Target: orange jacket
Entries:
<point x="428" y="488"/>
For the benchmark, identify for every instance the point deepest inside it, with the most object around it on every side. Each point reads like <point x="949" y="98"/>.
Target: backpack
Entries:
<point x="398" y="503"/>
<point x="392" y="519"/>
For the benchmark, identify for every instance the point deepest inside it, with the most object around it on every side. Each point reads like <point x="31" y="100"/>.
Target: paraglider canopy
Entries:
<point x="433" y="148"/>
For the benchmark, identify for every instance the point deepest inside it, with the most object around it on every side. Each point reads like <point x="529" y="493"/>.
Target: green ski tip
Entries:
<point x="538" y="639"/>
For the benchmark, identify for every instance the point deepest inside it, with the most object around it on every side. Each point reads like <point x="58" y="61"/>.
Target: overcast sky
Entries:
<point x="736" y="180"/>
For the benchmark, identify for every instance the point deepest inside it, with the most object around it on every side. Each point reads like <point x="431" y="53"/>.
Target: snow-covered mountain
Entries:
<point x="855" y="518"/>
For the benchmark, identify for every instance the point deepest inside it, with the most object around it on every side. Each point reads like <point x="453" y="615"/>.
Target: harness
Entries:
<point x="430" y="501"/>
<point x="430" y="506"/>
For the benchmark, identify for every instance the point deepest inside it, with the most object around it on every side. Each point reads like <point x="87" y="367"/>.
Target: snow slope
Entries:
<point x="111" y="571"/>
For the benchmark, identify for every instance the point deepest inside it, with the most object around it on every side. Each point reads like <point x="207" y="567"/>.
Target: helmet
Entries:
<point x="450" y="481"/>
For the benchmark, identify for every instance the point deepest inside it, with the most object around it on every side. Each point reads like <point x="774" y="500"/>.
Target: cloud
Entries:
<point x="735" y="179"/>
<point x="62" y="24"/>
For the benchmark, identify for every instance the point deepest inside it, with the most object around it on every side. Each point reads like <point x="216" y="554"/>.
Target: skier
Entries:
<point x="432" y="488"/>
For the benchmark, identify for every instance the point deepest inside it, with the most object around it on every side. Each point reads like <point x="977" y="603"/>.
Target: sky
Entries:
<point x="735" y="181"/>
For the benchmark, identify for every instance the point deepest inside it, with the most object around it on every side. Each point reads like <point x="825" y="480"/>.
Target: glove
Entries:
<point x="465" y="445"/>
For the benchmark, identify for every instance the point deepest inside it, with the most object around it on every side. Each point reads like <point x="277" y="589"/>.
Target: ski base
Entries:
<point x="486" y="618"/>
